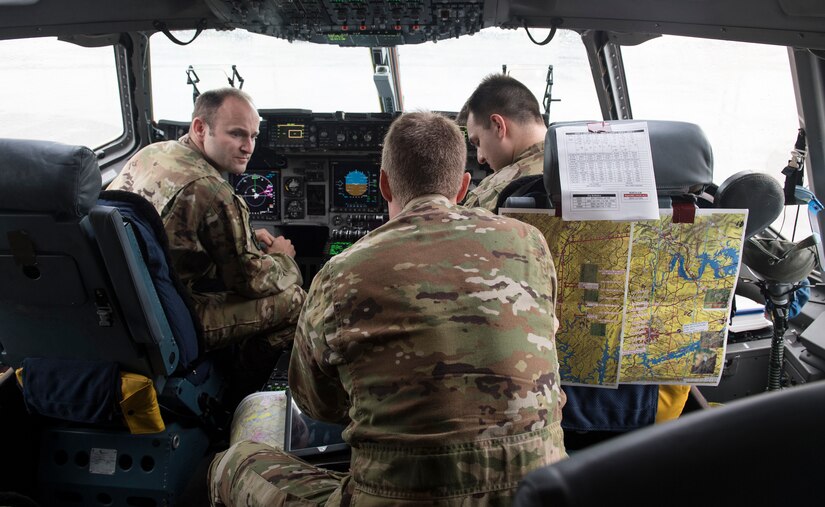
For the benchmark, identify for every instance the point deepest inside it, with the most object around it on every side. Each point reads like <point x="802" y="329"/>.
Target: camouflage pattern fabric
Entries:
<point x="527" y="163"/>
<point x="212" y="243"/>
<point x="250" y="474"/>
<point x="227" y="317"/>
<point x="433" y="339"/>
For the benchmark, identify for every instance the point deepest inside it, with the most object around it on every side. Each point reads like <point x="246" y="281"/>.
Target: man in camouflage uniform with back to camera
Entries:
<point x="504" y="123"/>
<point x="239" y="290"/>
<point x="432" y="339"/>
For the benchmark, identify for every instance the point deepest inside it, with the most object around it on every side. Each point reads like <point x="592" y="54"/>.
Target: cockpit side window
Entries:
<point x="57" y="91"/>
<point x="740" y="94"/>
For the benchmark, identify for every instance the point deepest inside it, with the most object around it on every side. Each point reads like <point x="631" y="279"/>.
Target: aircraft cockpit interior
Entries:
<point x="683" y="336"/>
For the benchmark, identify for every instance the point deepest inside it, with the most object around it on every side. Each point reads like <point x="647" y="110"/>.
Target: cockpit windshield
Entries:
<point x="435" y="76"/>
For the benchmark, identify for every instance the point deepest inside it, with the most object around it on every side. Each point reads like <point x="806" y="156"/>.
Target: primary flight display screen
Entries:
<point x="355" y="187"/>
<point x="259" y="188"/>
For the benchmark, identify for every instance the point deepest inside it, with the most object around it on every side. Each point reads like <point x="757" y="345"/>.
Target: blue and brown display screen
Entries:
<point x="355" y="187"/>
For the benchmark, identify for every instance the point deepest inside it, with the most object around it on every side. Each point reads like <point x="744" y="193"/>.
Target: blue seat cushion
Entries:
<point x="155" y="250"/>
<point x="71" y="389"/>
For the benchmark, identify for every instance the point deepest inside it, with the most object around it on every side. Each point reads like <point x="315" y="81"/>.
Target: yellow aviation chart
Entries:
<point x="645" y="301"/>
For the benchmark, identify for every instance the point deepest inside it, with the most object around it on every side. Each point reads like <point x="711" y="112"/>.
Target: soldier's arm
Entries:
<point x="229" y="239"/>
<point x="313" y="374"/>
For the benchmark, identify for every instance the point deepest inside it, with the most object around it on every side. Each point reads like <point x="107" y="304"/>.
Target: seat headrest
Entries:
<point x="759" y="193"/>
<point x="682" y="157"/>
<point x="48" y="177"/>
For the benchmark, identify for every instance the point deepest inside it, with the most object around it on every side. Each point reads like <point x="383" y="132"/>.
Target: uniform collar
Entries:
<point x="186" y="141"/>
<point x="434" y="198"/>
<point x="530" y="151"/>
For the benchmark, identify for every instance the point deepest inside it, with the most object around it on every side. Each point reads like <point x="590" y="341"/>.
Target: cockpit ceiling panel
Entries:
<point x="798" y="23"/>
<point x="394" y="22"/>
<point x="354" y="22"/>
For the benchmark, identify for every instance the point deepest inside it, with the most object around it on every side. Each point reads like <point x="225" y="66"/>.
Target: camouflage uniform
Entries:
<point x="433" y="339"/>
<point x="527" y="163"/>
<point x="212" y="244"/>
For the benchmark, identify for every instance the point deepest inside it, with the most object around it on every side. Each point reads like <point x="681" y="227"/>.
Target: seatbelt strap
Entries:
<point x="684" y="209"/>
<point x="794" y="170"/>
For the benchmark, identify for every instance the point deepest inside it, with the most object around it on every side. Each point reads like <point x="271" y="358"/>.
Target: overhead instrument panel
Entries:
<point x="366" y="23"/>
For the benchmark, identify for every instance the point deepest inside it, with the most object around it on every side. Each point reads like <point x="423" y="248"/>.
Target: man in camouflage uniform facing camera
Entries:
<point x="432" y="339"/>
<point x="240" y="290"/>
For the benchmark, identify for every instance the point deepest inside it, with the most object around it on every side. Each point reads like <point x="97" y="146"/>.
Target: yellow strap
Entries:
<point x="140" y="404"/>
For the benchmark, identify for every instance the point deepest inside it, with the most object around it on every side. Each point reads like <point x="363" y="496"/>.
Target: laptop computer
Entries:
<point x="314" y="441"/>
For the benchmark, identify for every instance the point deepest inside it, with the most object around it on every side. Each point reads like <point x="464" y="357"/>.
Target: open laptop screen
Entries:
<point x="306" y="437"/>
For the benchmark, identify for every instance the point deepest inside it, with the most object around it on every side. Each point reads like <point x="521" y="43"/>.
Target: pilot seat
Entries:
<point x="101" y="334"/>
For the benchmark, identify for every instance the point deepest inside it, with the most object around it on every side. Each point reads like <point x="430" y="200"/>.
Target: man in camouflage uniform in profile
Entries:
<point x="239" y="290"/>
<point x="432" y="339"/>
<point x="504" y="123"/>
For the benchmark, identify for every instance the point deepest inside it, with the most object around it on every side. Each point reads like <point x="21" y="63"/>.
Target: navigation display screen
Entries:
<point x="259" y="188"/>
<point x="355" y="187"/>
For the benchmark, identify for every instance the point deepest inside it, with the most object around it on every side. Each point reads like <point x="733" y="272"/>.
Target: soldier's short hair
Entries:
<point x="504" y="95"/>
<point x="208" y="103"/>
<point x="424" y="153"/>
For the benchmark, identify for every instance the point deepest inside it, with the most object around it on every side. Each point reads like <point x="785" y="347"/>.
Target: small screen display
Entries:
<point x="355" y="187"/>
<point x="336" y="247"/>
<point x="260" y="191"/>
<point x="290" y="134"/>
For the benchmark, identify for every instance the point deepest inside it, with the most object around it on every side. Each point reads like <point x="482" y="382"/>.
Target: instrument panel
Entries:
<point x="314" y="177"/>
<point x="366" y="23"/>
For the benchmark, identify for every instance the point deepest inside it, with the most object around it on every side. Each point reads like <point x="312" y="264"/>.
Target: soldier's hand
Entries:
<point x="264" y="237"/>
<point x="281" y="245"/>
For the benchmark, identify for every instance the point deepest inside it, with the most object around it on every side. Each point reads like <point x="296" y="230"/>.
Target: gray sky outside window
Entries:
<point x="740" y="94"/>
<point x="58" y="91"/>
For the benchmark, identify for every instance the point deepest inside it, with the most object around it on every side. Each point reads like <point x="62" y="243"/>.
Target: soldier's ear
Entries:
<point x="465" y="184"/>
<point x="198" y="129"/>
<point x="498" y="125"/>
<point x="384" y="186"/>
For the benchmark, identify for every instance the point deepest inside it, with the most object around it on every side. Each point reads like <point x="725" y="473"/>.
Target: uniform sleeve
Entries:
<point x="313" y="374"/>
<point x="471" y="200"/>
<point x="226" y="234"/>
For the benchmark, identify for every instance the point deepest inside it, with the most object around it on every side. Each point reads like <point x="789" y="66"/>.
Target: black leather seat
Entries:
<point x="763" y="450"/>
